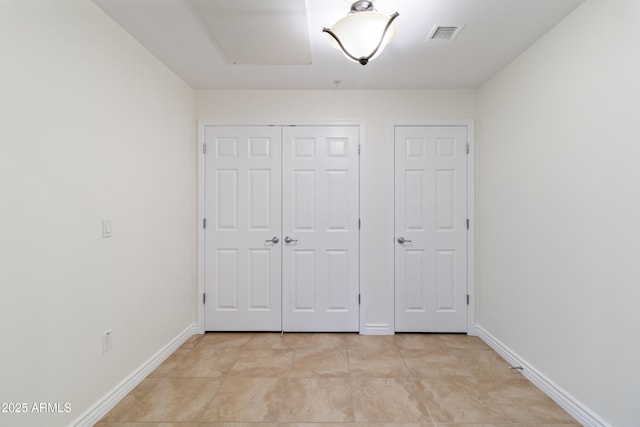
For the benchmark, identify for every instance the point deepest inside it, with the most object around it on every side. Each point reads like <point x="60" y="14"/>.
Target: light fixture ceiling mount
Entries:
<point x="364" y="33"/>
<point x="362" y="6"/>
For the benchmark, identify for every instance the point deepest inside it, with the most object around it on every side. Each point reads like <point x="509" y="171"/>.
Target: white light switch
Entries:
<point x="106" y="228"/>
<point x="106" y="341"/>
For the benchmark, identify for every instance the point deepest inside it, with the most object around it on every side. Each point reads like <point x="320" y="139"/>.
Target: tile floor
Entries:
<point x="317" y="380"/>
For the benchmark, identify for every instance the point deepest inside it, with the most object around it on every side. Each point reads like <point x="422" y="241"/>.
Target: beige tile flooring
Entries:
<point x="317" y="380"/>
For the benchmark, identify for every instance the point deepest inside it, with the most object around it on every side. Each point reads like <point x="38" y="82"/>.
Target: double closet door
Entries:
<point x="281" y="235"/>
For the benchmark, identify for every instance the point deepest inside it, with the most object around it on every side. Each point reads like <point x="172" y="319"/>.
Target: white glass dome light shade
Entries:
<point x="360" y="34"/>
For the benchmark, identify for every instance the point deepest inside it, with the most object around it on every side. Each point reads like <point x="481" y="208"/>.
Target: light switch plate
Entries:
<point x="106" y="228"/>
<point x="106" y="341"/>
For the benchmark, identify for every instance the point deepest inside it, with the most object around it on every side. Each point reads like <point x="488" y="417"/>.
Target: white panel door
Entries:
<point x="431" y="229"/>
<point x="320" y="191"/>
<point x="243" y="229"/>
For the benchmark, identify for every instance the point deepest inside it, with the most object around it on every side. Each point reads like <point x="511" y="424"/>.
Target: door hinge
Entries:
<point x="358" y="149"/>
<point x="467" y="299"/>
<point x="358" y="299"/>
<point x="359" y="223"/>
<point x="467" y="223"/>
<point x="468" y="148"/>
<point x="204" y="298"/>
<point x="204" y="148"/>
<point x="204" y="222"/>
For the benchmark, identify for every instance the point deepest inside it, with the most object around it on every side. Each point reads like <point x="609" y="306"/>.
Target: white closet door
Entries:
<point x="431" y="217"/>
<point x="320" y="214"/>
<point x="243" y="263"/>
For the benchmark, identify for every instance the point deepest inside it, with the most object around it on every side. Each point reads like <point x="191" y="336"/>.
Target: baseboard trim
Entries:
<point x="377" y="329"/>
<point x="98" y="410"/>
<point x="574" y="407"/>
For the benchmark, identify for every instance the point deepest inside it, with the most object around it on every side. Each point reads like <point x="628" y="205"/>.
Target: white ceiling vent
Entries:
<point x="445" y="32"/>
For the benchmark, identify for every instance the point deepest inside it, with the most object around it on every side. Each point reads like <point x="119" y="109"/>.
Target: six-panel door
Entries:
<point x="282" y="228"/>
<point x="243" y="212"/>
<point x="320" y="191"/>
<point x="430" y="228"/>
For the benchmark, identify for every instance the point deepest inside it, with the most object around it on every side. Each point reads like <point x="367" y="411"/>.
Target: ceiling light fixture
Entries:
<point x="364" y="33"/>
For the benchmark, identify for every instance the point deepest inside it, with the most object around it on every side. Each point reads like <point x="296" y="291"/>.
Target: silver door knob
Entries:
<point x="402" y="240"/>
<point x="274" y="240"/>
<point x="289" y="240"/>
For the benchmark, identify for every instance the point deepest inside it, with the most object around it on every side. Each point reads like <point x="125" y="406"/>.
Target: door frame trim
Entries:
<point x="201" y="160"/>
<point x="201" y="166"/>
<point x="471" y="208"/>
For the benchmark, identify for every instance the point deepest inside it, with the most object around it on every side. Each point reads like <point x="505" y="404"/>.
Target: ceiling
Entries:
<point x="279" y="44"/>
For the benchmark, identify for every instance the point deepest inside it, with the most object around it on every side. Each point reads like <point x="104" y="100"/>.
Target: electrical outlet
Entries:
<point x="106" y="341"/>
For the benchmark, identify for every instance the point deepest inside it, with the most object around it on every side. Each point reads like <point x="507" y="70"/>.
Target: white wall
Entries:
<point x="559" y="207"/>
<point x="377" y="110"/>
<point x="91" y="126"/>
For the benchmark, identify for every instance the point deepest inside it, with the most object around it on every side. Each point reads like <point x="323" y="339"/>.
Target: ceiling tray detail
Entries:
<point x="259" y="32"/>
